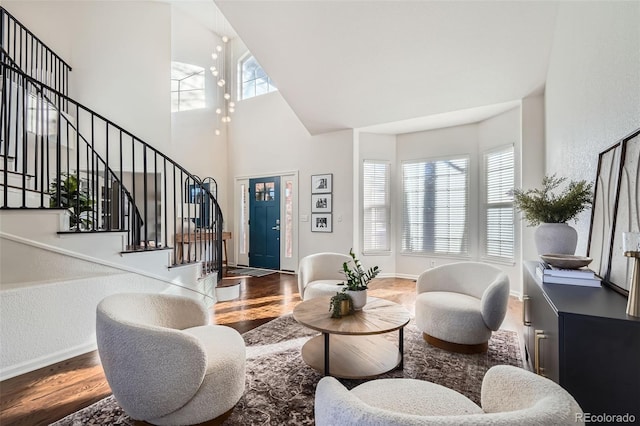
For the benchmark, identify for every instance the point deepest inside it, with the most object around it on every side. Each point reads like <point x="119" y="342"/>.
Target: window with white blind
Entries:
<point x="499" y="216"/>
<point x="435" y="207"/>
<point x="376" y="206"/>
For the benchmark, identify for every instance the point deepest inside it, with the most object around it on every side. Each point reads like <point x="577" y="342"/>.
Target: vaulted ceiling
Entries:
<point x="396" y="66"/>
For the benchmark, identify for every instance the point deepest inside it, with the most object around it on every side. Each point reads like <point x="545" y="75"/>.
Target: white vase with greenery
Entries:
<point x="357" y="281"/>
<point x="551" y="212"/>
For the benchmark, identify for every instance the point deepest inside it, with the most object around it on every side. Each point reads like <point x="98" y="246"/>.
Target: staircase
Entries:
<point x="87" y="209"/>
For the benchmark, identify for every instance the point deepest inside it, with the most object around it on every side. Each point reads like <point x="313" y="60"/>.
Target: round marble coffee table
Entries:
<point x="350" y="347"/>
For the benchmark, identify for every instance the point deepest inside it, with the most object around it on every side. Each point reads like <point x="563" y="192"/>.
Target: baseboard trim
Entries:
<point x="44" y="361"/>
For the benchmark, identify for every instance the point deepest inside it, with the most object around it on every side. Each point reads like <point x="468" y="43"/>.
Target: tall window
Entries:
<point x="435" y="206"/>
<point x="499" y="222"/>
<point x="254" y="80"/>
<point x="288" y="218"/>
<point x="187" y="87"/>
<point x="376" y="206"/>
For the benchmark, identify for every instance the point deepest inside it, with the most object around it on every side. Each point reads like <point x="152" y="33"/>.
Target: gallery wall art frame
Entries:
<point x="616" y="207"/>
<point x="321" y="203"/>
<point x="321" y="222"/>
<point x="322" y="184"/>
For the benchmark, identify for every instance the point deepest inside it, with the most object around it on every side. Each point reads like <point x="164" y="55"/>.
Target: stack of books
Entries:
<point x="554" y="275"/>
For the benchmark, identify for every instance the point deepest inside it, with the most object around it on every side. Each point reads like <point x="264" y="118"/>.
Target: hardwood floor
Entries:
<point x="46" y="395"/>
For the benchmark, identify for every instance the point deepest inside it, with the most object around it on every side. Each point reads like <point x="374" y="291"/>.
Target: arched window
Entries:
<point x="254" y="81"/>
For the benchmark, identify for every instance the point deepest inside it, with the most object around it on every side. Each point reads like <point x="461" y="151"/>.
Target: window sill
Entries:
<point x="438" y="255"/>
<point x="496" y="260"/>
<point x="376" y="253"/>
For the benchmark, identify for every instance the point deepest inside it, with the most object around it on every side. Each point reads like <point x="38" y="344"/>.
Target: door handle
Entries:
<point x="536" y="351"/>
<point x="276" y="228"/>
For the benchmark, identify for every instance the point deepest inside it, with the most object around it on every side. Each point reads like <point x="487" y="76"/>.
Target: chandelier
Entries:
<point x="226" y="106"/>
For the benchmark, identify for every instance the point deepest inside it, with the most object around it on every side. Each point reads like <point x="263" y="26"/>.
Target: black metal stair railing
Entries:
<point x="107" y="177"/>
<point x="31" y="55"/>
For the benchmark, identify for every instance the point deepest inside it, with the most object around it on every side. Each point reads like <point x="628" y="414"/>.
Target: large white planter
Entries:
<point x="359" y="299"/>
<point x="556" y="238"/>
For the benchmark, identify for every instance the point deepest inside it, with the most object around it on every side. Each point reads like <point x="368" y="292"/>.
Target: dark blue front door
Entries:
<point x="264" y="222"/>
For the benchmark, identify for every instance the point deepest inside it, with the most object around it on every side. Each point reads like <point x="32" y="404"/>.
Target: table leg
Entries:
<point x="401" y="347"/>
<point x="326" y="354"/>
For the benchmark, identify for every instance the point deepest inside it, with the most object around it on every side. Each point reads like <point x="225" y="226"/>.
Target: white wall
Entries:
<point x="266" y="138"/>
<point x="530" y="158"/>
<point x="120" y="53"/>
<point x="193" y="140"/>
<point x="593" y="88"/>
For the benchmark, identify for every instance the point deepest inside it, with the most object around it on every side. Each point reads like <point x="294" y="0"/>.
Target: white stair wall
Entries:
<point x="101" y="247"/>
<point x="50" y="322"/>
<point x="50" y="285"/>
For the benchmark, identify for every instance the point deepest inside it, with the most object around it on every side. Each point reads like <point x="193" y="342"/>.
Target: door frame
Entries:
<point x="286" y="263"/>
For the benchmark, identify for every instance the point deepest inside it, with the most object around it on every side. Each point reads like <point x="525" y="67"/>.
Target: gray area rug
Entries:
<point x="253" y="272"/>
<point x="280" y="387"/>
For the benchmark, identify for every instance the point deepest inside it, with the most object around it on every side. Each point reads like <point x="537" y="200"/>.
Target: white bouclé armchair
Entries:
<point x="458" y="305"/>
<point x="163" y="361"/>
<point x="510" y="396"/>
<point x="320" y="275"/>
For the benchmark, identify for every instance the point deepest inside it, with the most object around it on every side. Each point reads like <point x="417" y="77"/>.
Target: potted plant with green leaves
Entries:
<point x="551" y="209"/>
<point x="74" y="198"/>
<point x="340" y="305"/>
<point x="357" y="280"/>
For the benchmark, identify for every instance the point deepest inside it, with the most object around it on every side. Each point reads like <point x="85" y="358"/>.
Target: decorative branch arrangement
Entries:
<point x="543" y="206"/>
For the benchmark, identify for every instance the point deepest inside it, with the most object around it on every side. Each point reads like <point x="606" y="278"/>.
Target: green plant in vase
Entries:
<point x="551" y="209"/>
<point x="340" y="305"/>
<point x="357" y="280"/>
<point x="545" y="206"/>
<point x="73" y="198"/>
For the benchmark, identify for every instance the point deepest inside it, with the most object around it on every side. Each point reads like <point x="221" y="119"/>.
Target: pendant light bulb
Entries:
<point x="217" y="132"/>
<point x="221" y="82"/>
<point x="225" y="39"/>
<point x="219" y="48"/>
<point x="218" y="111"/>
<point x="232" y="104"/>
<point x="214" y="56"/>
<point x="227" y="96"/>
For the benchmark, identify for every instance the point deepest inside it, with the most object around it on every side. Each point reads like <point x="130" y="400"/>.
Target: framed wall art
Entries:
<point x="321" y="203"/>
<point x="616" y="209"/>
<point x="321" y="222"/>
<point x="322" y="184"/>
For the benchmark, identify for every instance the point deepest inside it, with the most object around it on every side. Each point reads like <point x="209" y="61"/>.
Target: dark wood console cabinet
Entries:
<point x="582" y="338"/>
